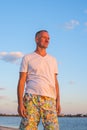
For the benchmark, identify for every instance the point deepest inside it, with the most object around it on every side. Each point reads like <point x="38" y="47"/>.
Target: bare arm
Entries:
<point x="58" y="107"/>
<point x="20" y="92"/>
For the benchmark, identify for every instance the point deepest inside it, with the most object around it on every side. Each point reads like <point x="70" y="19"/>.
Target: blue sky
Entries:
<point x="66" y="22"/>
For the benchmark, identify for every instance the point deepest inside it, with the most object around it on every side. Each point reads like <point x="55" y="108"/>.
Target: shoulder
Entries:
<point x="27" y="56"/>
<point x="51" y="57"/>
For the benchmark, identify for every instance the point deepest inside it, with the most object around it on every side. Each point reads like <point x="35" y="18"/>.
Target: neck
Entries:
<point x="41" y="51"/>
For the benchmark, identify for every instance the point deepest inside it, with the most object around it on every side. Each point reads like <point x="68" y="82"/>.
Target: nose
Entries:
<point x="47" y="39"/>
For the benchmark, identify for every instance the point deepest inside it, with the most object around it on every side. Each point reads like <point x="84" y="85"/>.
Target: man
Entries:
<point x="40" y="98"/>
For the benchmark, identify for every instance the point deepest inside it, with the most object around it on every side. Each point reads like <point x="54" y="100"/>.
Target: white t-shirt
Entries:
<point x="40" y="78"/>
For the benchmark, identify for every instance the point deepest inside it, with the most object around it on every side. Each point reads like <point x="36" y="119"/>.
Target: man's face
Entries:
<point x="42" y="40"/>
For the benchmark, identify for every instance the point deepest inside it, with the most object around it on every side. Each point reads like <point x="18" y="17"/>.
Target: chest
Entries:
<point x="40" y="66"/>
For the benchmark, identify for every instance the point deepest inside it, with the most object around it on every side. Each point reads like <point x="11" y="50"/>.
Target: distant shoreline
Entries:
<point x="62" y="115"/>
<point x="7" y="128"/>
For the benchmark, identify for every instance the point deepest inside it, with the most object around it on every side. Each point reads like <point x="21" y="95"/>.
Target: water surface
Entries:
<point x="66" y="123"/>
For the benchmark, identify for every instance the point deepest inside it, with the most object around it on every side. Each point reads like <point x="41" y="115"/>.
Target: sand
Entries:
<point x="7" y="128"/>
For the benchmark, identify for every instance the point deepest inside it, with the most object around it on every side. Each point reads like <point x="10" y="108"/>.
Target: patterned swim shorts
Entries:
<point x="39" y="107"/>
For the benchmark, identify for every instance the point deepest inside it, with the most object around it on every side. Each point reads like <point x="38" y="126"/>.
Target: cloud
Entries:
<point x="10" y="57"/>
<point x="85" y="11"/>
<point x="14" y="101"/>
<point x="71" y="82"/>
<point x="60" y="63"/>
<point x="85" y="24"/>
<point x="2" y="89"/>
<point x="3" y="97"/>
<point x="68" y="103"/>
<point x="71" y="25"/>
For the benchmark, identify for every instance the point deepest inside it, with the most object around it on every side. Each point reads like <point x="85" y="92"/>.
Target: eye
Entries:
<point x="45" y="37"/>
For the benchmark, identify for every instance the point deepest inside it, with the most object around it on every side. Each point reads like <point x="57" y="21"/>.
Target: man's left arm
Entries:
<point x="58" y="107"/>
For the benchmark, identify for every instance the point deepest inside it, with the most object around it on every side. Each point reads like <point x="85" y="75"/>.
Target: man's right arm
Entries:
<point x="20" y="92"/>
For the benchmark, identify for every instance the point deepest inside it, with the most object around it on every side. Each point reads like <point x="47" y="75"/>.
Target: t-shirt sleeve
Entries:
<point x="24" y="65"/>
<point x="55" y="67"/>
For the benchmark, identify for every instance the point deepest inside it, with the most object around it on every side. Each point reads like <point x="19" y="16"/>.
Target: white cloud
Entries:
<point x="3" y="97"/>
<point x="11" y="57"/>
<point x="2" y="89"/>
<point x="71" y="25"/>
<point x="85" y="11"/>
<point x="71" y="82"/>
<point x="85" y="24"/>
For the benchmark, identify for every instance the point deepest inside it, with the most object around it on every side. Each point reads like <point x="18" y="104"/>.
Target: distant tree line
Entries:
<point x="61" y="115"/>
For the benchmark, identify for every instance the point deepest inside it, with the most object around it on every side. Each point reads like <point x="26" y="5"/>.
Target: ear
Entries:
<point x="36" y="39"/>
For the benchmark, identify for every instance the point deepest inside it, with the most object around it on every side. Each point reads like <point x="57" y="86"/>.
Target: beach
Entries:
<point x="7" y="128"/>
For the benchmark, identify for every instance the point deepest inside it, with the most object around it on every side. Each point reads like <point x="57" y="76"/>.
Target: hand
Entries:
<point x="58" y="107"/>
<point x="22" y="111"/>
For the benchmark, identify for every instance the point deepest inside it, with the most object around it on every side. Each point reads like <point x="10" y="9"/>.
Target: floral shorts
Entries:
<point x="39" y="107"/>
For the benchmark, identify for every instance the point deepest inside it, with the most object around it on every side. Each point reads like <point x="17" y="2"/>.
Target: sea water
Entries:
<point x="65" y="123"/>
